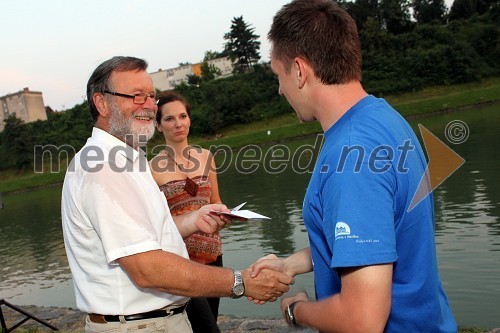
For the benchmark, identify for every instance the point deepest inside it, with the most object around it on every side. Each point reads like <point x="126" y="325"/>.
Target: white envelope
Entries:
<point x="241" y="215"/>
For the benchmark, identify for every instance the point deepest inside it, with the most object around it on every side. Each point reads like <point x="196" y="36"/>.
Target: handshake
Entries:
<point x="267" y="279"/>
<point x="270" y="277"/>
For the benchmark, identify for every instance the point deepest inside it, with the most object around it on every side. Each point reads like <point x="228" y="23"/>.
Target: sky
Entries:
<point x="53" y="46"/>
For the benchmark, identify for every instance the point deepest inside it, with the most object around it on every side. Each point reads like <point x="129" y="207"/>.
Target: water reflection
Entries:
<point x="31" y="248"/>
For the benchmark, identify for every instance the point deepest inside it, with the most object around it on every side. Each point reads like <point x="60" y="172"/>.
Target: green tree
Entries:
<point x="428" y="11"/>
<point x="395" y="16"/>
<point x="193" y="79"/>
<point x="242" y="45"/>
<point x="210" y="55"/>
<point x="208" y="71"/>
<point x="18" y="142"/>
<point x="361" y="11"/>
<point x="463" y="9"/>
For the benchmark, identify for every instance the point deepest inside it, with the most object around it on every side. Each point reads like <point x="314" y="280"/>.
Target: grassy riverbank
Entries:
<point x="281" y="128"/>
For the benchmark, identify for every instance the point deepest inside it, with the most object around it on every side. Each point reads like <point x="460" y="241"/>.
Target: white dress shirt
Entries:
<point x="112" y="208"/>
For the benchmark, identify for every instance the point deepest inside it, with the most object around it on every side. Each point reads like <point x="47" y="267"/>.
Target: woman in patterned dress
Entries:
<point x="187" y="176"/>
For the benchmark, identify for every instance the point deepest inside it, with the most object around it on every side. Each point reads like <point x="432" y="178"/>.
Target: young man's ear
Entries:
<point x="301" y="69"/>
<point x="101" y="104"/>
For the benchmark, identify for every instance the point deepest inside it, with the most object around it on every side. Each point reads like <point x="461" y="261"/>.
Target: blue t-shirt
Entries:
<point x="356" y="211"/>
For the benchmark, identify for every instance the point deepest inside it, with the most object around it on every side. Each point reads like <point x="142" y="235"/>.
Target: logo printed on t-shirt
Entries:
<point x="342" y="229"/>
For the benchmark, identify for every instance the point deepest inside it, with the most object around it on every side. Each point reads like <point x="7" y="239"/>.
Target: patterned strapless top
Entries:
<point x="202" y="248"/>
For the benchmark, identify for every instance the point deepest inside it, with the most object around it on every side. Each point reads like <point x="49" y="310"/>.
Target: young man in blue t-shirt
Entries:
<point x="374" y="258"/>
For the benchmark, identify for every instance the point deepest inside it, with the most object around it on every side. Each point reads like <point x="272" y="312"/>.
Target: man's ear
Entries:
<point x="101" y="104"/>
<point x="301" y="68"/>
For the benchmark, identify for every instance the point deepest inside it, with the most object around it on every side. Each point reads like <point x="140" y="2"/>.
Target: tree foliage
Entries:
<point x="242" y="45"/>
<point x="68" y="130"/>
<point x="238" y="99"/>
<point x="209" y="72"/>
<point x="429" y="11"/>
<point x="18" y="142"/>
<point x="395" y="16"/>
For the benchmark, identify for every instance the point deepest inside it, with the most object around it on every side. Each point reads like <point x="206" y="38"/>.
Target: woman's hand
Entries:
<point x="210" y="218"/>
<point x="207" y="219"/>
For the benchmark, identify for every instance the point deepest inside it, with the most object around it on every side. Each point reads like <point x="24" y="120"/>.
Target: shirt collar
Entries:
<point x="111" y="141"/>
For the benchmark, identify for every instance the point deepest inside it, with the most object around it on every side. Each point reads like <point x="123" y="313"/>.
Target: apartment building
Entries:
<point x="169" y="78"/>
<point x="25" y="104"/>
<point x="224" y="64"/>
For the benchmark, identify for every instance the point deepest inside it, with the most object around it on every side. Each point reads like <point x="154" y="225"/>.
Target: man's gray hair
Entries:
<point x="99" y="80"/>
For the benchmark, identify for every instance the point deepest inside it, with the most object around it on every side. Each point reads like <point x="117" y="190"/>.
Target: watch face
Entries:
<point x="239" y="290"/>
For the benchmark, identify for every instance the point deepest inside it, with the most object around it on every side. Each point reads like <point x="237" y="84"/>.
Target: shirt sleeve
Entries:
<point x="359" y="215"/>
<point x="117" y="210"/>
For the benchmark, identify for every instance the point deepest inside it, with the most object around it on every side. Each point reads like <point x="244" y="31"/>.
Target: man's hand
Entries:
<point x="270" y="261"/>
<point x="267" y="286"/>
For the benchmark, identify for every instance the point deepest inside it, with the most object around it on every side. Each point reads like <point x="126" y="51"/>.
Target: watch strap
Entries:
<point x="238" y="288"/>
<point x="290" y="315"/>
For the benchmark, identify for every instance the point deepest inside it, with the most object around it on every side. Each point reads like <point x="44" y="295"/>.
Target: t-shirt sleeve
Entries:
<point x="358" y="206"/>
<point x="115" y="206"/>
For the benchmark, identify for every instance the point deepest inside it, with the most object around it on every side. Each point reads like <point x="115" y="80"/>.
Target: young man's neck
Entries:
<point x="335" y="100"/>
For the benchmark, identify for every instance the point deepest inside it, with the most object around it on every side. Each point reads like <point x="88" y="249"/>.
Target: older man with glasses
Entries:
<point x="130" y="266"/>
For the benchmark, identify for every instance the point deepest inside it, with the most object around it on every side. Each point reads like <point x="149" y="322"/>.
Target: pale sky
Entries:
<point x="53" y="46"/>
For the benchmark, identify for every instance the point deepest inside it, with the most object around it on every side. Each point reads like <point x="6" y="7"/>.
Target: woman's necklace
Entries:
<point x="190" y="185"/>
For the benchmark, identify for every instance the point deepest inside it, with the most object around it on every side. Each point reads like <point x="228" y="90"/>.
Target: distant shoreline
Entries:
<point x="411" y="116"/>
<point x="430" y="101"/>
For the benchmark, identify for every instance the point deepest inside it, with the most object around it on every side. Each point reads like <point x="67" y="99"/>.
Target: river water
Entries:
<point x="34" y="268"/>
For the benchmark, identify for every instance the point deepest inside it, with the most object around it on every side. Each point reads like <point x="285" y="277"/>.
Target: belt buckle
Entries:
<point x="170" y="312"/>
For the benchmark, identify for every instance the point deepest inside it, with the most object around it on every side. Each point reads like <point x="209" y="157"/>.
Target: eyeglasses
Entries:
<point x="139" y="99"/>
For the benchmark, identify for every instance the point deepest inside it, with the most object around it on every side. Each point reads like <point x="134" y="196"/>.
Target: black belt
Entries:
<point x="102" y="319"/>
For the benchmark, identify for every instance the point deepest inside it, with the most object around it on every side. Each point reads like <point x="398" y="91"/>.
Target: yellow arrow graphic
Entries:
<point x="443" y="162"/>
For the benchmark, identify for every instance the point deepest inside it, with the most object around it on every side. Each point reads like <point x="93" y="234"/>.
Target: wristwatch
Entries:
<point x="238" y="288"/>
<point x="289" y="316"/>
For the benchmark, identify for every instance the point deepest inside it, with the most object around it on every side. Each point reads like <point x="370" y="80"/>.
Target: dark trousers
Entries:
<point x="203" y="312"/>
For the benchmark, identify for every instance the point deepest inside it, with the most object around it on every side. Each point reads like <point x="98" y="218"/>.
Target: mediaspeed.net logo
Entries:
<point x="443" y="161"/>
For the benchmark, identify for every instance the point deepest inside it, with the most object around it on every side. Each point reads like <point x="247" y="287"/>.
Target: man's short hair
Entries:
<point x="323" y="34"/>
<point x="99" y="80"/>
